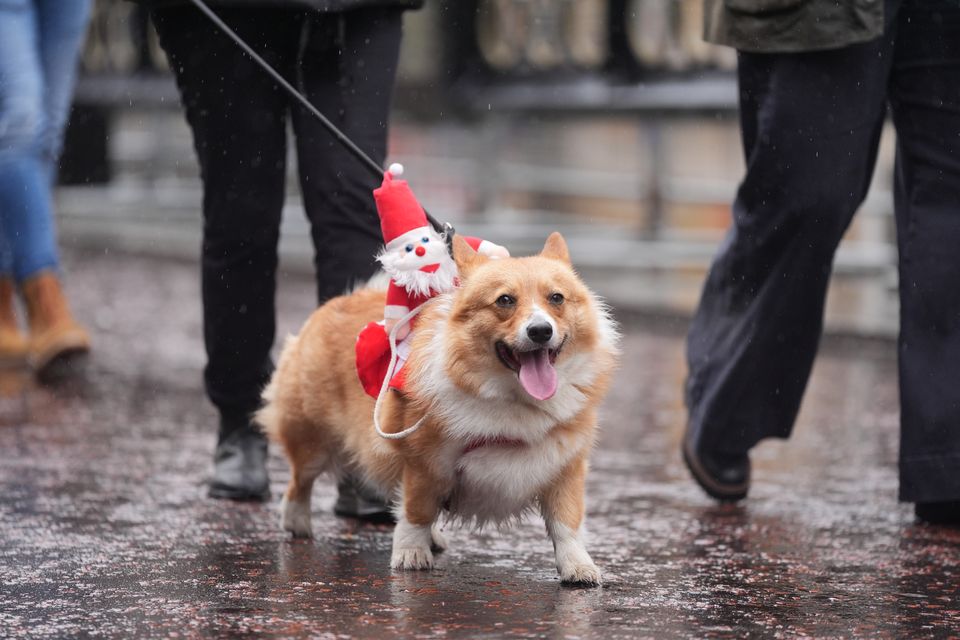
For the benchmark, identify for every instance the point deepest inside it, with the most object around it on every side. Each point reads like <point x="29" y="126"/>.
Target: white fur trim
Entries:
<point x="492" y="250"/>
<point x="428" y="284"/>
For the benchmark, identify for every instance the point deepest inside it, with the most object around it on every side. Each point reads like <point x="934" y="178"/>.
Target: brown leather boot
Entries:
<point x="55" y="337"/>
<point x="13" y="344"/>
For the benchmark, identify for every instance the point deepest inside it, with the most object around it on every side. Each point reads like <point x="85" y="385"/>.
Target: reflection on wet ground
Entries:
<point x="105" y="527"/>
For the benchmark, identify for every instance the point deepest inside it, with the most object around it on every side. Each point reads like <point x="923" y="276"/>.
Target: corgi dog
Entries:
<point x="505" y="375"/>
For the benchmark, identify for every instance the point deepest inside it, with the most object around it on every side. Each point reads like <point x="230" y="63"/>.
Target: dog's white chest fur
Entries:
<point x="498" y="482"/>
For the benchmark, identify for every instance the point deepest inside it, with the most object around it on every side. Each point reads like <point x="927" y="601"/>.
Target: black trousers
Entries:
<point x="810" y="126"/>
<point x="345" y="64"/>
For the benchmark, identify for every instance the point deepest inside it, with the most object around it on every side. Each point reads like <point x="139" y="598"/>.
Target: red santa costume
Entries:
<point x="415" y="257"/>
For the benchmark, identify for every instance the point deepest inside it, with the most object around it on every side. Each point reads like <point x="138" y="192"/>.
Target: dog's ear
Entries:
<point x="466" y="258"/>
<point x="556" y="248"/>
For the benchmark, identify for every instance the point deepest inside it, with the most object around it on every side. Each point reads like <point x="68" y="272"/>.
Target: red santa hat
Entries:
<point x="402" y="219"/>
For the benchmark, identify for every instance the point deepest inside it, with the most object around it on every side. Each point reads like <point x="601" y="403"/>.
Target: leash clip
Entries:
<point x="448" y="233"/>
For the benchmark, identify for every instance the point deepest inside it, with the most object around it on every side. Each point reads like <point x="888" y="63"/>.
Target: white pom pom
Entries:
<point x="395" y="169"/>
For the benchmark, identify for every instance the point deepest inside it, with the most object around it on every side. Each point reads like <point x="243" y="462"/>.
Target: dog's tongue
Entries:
<point x="537" y="375"/>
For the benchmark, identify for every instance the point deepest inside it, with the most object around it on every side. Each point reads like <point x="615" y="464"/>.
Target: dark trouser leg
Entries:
<point x="237" y="115"/>
<point x="925" y="94"/>
<point x="348" y="66"/>
<point x="238" y="119"/>
<point x="810" y="125"/>
<point x="348" y="70"/>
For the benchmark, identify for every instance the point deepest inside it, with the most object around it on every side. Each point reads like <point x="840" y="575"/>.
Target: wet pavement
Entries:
<point x="105" y="529"/>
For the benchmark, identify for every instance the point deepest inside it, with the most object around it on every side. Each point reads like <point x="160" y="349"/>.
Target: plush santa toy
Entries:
<point x="416" y="258"/>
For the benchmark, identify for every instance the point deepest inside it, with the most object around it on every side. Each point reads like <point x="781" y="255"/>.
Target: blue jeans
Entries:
<point x="39" y="44"/>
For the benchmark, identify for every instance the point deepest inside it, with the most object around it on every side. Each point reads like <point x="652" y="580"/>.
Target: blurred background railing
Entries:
<point x="610" y="120"/>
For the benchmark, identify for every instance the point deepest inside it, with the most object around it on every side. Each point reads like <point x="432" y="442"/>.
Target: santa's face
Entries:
<point x="420" y="263"/>
<point x="423" y="253"/>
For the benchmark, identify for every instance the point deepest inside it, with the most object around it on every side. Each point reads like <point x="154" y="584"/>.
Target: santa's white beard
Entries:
<point x="421" y="283"/>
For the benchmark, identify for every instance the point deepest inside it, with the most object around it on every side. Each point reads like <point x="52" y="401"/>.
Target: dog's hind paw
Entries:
<point x="581" y="573"/>
<point x="438" y="541"/>
<point x="412" y="558"/>
<point x="295" y="518"/>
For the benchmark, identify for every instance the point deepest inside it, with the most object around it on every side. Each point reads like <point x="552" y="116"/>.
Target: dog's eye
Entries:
<point x="506" y="301"/>
<point x="424" y="239"/>
<point x="409" y="248"/>
<point x="556" y="298"/>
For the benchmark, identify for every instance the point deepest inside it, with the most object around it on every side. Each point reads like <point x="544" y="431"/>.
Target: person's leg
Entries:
<point x="37" y="83"/>
<point x="348" y="64"/>
<point x="26" y="216"/>
<point x="62" y="27"/>
<point x="54" y="334"/>
<point x="49" y="35"/>
<point x="810" y="124"/>
<point x="238" y="118"/>
<point x="348" y="67"/>
<point x="21" y="184"/>
<point x="925" y="95"/>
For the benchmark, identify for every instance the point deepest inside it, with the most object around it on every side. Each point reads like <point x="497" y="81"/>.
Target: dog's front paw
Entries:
<point x="584" y="573"/>
<point x="411" y="545"/>
<point x="412" y="558"/>
<point x="574" y="564"/>
<point x="295" y="518"/>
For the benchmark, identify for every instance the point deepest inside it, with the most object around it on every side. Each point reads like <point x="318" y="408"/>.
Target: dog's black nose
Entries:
<point x="540" y="333"/>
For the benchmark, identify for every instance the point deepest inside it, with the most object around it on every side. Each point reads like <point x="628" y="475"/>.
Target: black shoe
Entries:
<point x="725" y="477"/>
<point x="354" y="500"/>
<point x="947" y="512"/>
<point x="240" y="465"/>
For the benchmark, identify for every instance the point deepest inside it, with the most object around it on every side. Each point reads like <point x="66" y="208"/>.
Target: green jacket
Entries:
<point x="785" y="26"/>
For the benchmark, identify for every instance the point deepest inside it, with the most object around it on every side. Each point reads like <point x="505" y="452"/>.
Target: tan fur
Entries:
<point x="563" y="500"/>
<point x="317" y="411"/>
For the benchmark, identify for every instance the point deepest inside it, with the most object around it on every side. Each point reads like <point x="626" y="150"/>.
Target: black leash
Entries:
<point x="375" y="169"/>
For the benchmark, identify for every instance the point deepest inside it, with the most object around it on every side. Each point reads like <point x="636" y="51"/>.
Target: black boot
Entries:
<point x="947" y="512"/>
<point x="240" y="463"/>
<point x="355" y="500"/>
<point x="725" y="477"/>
